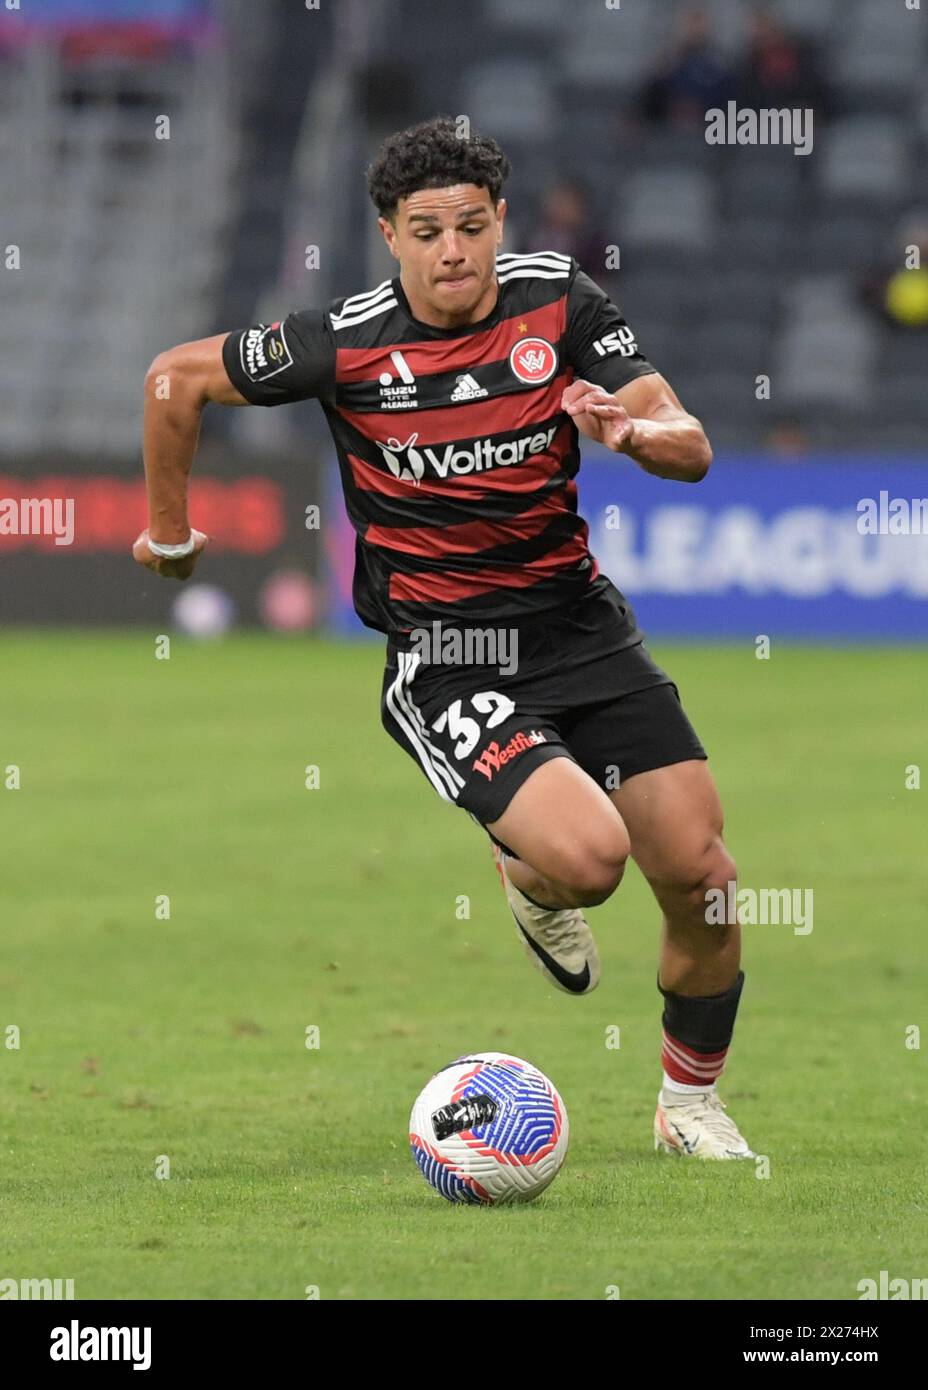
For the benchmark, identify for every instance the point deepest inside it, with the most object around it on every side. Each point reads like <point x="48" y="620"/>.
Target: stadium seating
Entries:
<point x="121" y="234"/>
<point x="749" y="258"/>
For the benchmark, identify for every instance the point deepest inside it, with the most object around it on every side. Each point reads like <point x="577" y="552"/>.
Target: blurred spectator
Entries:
<point x="787" y="439"/>
<point x="897" y="288"/>
<point x="779" y="70"/>
<point x="690" y="79"/>
<point x="565" y="224"/>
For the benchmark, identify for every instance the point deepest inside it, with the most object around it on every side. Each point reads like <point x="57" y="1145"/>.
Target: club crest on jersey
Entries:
<point x="533" y="360"/>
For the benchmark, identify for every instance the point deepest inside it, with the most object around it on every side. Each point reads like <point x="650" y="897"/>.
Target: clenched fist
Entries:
<point x="169" y="569"/>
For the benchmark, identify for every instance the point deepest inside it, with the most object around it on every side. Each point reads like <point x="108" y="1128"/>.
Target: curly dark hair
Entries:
<point x="433" y="155"/>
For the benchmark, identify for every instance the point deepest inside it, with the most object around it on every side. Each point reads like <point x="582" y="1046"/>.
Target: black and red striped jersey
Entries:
<point x="457" y="461"/>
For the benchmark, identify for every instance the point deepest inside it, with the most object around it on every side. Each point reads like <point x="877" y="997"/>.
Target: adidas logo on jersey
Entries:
<point x="468" y="389"/>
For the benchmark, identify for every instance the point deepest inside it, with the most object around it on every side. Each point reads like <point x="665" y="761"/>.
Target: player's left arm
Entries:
<point x="617" y="396"/>
<point x="646" y="420"/>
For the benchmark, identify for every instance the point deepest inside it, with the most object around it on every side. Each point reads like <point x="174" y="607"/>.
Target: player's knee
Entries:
<point x="720" y="869"/>
<point x="704" y="875"/>
<point x="591" y="872"/>
<point x="693" y="881"/>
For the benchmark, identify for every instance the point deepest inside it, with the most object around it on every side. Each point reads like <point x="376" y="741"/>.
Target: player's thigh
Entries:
<point x="675" y="823"/>
<point x="564" y="825"/>
<point x="643" y="750"/>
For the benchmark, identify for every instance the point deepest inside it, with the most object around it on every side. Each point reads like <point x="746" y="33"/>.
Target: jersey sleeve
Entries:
<point x="600" y="345"/>
<point x="274" y="363"/>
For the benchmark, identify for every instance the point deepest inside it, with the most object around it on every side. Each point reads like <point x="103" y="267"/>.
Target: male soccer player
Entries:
<point x="455" y="393"/>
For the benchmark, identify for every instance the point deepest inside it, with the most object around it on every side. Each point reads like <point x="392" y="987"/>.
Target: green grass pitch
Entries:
<point x="335" y="908"/>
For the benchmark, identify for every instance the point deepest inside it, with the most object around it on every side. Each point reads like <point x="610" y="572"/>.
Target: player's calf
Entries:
<point x="675" y="821"/>
<point x="699" y="954"/>
<point x="584" y="876"/>
<point x="567" y="846"/>
<point x="558" y="941"/>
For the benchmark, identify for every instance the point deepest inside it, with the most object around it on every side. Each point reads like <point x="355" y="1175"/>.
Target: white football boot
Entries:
<point x="557" y="939"/>
<point x="696" y="1125"/>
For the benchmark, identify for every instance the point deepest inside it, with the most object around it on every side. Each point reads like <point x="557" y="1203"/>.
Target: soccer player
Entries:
<point x="456" y="393"/>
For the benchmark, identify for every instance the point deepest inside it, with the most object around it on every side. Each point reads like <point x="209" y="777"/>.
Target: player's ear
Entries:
<point x="389" y="235"/>
<point x="500" y="218"/>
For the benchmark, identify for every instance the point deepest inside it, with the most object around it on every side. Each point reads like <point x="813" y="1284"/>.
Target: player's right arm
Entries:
<point x="267" y="364"/>
<point x="178" y="385"/>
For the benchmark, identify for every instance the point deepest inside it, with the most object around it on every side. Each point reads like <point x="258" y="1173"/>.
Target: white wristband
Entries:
<point x="172" y="552"/>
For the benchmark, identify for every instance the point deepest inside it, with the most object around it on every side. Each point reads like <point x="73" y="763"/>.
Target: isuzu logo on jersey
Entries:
<point x="620" y="340"/>
<point x="533" y="361"/>
<point x="409" y="463"/>
<point x="264" y="352"/>
<point x="402" y="395"/>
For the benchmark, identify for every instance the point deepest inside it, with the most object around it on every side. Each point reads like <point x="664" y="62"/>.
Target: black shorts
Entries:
<point x="583" y="687"/>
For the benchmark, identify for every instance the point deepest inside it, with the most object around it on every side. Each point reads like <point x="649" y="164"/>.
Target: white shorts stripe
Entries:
<point x="421" y="752"/>
<point x="409" y="664"/>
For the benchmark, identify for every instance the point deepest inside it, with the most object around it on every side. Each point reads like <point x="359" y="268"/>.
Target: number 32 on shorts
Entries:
<point x="467" y="731"/>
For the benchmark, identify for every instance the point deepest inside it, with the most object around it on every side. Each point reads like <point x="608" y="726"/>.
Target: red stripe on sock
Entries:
<point x="688" y="1067"/>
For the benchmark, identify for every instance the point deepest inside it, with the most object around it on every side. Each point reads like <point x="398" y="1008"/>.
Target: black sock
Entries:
<point x="697" y="1033"/>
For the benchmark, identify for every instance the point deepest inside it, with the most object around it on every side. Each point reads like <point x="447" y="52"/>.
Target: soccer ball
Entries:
<point x="489" y="1129"/>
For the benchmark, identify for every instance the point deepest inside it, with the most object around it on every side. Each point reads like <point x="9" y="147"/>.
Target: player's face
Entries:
<point x="446" y="240"/>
